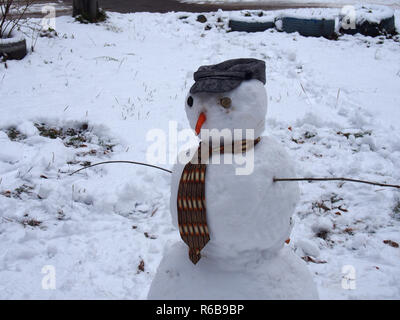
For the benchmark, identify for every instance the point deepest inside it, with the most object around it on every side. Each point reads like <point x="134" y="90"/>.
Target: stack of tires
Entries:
<point x="371" y="20"/>
<point x="252" y="21"/>
<point x="235" y="25"/>
<point x="309" y="27"/>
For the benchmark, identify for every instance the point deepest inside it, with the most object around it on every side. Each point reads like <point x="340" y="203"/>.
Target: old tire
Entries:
<point x="373" y="29"/>
<point x="235" y="25"/>
<point x="13" y="48"/>
<point x="309" y="27"/>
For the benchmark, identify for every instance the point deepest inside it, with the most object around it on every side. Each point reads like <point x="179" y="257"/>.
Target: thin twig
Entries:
<point x="338" y="179"/>
<point x="274" y="179"/>
<point x="337" y="98"/>
<point x="5" y="9"/>
<point x="305" y="93"/>
<point x="21" y="15"/>
<point x="120" y="161"/>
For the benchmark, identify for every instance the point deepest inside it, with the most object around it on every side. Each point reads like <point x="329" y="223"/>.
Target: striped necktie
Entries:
<point x="191" y="202"/>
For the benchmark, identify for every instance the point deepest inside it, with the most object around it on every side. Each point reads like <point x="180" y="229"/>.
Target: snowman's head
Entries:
<point x="228" y="96"/>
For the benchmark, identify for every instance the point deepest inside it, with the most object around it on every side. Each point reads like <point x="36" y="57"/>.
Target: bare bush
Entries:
<point x="12" y="11"/>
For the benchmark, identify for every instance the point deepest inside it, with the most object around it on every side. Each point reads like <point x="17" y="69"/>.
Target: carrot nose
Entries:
<point x="202" y="118"/>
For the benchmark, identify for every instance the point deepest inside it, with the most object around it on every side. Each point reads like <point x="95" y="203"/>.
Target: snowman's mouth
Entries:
<point x="200" y="121"/>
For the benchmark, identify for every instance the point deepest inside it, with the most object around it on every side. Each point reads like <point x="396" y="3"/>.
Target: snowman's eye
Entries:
<point x="190" y="101"/>
<point x="225" y="102"/>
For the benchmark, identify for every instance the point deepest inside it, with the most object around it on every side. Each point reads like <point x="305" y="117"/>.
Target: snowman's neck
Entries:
<point x="235" y="146"/>
<point x="206" y="150"/>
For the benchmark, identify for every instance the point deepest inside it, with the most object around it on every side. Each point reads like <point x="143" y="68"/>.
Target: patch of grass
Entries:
<point x="335" y="198"/>
<point x="309" y="135"/>
<point x="107" y="146"/>
<point x="24" y="189"/>
<point x="14" y="135"/>
<point x="330" y="204"/>
<point x="31" y="222"/>
<point x="48" y="132"/>
<point x="72" y="137"/>
<point x="77" y="137"/>
<point x="323" y="234"/>
<point x="320" y="205"/>
<point x="77" y="140"/>
<point x="298" y="141"/>
<point x="6" y="193"/>
<point x="84" y="17"/>
<point x="16" y="194"/>
<point x="85" y="163"/>
<point x="355" y="134"/>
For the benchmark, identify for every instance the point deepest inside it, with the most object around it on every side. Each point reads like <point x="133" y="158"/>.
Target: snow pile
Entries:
<point x="332" y="104"/>
<point x="372" y="13"/>
<point x="309" y="13"/>
<point x="253" y="16"/>
<point x="15" y="37"/>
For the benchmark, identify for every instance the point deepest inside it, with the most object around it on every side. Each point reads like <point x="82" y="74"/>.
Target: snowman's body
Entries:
<point x="248" y="216"/>
<point x="249" y="221"/>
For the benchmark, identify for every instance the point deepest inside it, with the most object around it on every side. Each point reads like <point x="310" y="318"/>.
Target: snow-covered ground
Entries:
<point x="333" y="104"/>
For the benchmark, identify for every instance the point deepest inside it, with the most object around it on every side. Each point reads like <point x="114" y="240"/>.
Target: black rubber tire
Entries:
<point x="309" y="27"/>
<point x="373" y="29"/>
<point x="13" y="50"/>
<point x="235" y="25"/>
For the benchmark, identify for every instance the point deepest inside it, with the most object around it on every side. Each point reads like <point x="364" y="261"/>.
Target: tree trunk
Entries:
<point x="89" y="9"/>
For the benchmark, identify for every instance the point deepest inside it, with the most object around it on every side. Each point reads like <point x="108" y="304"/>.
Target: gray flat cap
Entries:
<point x="227" y="75"/>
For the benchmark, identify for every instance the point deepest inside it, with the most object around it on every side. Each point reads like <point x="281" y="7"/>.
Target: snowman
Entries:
<point x="233" y="222"/>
